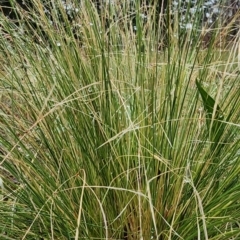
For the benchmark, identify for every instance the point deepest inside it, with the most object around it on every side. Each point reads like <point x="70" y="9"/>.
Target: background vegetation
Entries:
<point x="111" y="130"/>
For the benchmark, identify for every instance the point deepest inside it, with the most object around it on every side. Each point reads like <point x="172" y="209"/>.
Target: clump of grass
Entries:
<point x="108" y="139"/>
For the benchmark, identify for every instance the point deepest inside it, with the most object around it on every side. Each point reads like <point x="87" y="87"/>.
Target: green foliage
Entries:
<point x="214" y="116"/>
<point x="104" y="139"/>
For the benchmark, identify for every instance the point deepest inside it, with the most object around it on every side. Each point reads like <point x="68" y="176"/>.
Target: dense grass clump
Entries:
<point x="118" y="134"/>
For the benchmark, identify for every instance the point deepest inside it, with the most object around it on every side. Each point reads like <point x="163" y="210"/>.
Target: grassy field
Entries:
<point x="125" y="133"/>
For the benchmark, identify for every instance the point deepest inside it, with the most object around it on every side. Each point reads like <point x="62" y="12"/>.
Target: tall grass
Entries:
<point x="108" y="137"/>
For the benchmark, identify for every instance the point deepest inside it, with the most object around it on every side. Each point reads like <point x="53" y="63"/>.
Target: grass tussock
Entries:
<point x="111" y="136"/>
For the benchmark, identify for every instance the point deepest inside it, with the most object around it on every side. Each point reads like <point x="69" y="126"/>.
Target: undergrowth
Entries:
<point x="118" y="135"/>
